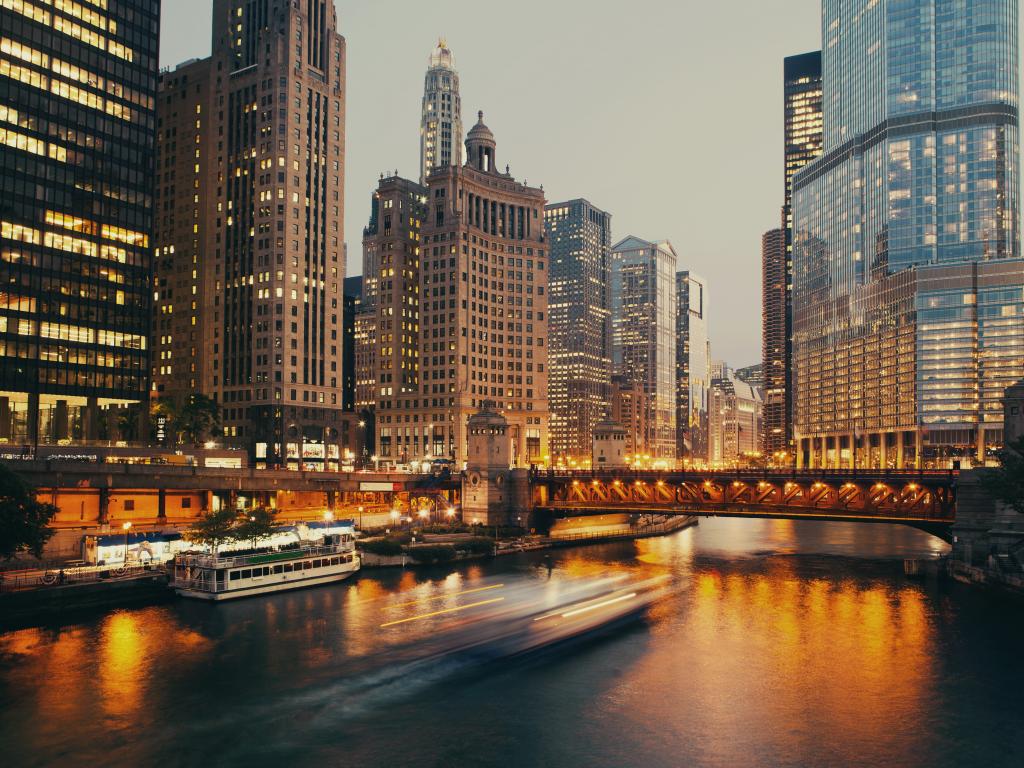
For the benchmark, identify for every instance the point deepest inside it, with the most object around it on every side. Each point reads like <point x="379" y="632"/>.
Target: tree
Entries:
<point x="214" y="528"/>
<point x="1006" y="483"/>
<point x="258" y="524"/>
<point x="197" y="418"/>
<point x="24" y="521"/>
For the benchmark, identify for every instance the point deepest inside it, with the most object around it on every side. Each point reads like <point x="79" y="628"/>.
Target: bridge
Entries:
<point x="920" y="499"/>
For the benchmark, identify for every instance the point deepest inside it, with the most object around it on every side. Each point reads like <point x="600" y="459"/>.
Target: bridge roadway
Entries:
<point x="920" y="499"/>
<point x="80" y="474"/>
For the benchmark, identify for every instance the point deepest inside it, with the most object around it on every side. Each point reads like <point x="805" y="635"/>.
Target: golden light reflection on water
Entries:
<point x="781" y="657"/>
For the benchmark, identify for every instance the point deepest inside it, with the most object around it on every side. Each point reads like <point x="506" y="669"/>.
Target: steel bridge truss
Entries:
<point x="922" y="500"/>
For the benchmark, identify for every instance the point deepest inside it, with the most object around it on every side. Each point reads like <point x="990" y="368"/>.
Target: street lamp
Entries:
<point x="360" y="518"/>
<point x="395" y="514"/>
<point x="328" y="516"/>
<point x="126" y="527"/>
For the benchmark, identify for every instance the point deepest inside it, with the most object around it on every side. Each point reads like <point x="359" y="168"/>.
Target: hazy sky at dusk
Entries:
<point x="666" y="114"/>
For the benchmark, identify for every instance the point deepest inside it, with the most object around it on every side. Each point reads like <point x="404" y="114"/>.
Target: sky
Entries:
<point x="665" y="113"/>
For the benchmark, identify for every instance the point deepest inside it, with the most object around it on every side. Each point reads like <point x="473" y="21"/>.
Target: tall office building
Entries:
<point x="908" y="284"/>
<point x="775" y="345"/>
<point x="391" y="275"/>
<point x="802" y="142"/>
<point x="77" y="130"/>
<point x="441" y="119"/>
<point x="735" y="421"/>
<point x="183" y="234"/>
<point x="693" y="373"/>
<point x="579" y="354"/>
<point x="263" y="181"/>
<point x="479" y="329"/>
<point x="643" y="279"/>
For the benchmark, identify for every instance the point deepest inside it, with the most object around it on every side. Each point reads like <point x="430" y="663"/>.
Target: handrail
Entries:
<point x="204" y="560"/>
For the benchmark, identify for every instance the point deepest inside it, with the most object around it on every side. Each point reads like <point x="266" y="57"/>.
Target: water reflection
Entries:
<point x="779" y="644"/>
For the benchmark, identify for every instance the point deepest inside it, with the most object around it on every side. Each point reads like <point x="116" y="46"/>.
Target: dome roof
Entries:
<point x="480" y="131"/>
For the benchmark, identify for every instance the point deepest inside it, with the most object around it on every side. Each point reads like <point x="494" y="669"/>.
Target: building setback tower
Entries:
<point x="643" y="334"/>
<point x="265" y="191"/>
<point x="775" y="345"/>
<point x="579" y="242"/>
<point x="908" y="297"/>
<point x="693" y="371"/>
<point x="463" y="310"/>
<point x="77" y="128"/>
<point x="441" y="121"/>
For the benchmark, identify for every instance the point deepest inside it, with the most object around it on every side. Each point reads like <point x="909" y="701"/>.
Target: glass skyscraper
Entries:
<point x="77" y="132"/>
<point x="643" y="334"/>
<point x="693" y="368"/>
<point x="908" y="299"/>
<point x="579" y="348"/>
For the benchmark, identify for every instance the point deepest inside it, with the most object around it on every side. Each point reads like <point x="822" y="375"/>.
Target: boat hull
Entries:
<point x="281" y="585"/>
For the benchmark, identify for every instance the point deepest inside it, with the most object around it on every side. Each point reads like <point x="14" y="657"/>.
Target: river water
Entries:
<point x="781" y="644"/>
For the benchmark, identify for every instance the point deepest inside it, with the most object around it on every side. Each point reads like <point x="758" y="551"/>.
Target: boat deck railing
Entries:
<point x="205" y="560"/>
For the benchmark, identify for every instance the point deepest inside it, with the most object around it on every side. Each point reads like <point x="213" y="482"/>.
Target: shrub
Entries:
<point x="478" y="545"/>
<point x="433" y="553"/>
<point x="383" y="547"/>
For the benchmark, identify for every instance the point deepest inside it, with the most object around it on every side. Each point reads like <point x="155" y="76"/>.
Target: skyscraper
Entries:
<point x="802" y="142"/>
<point x="184" y="279"/>
<point x="265" y="190"/>
<point x="643" y="333"/>
<point x="579" y="355"/>
<point x="478" y="332"/>
<point x="693" y="374"/>
<point x="803" y="124"/>
<point x="734" y="421"/>
<point x="77" y="131"/>
<point x="391" y="275"/>
<point x="775" y="345"/>
<point x="441" y="120"/>
<point x="908" y="291"/>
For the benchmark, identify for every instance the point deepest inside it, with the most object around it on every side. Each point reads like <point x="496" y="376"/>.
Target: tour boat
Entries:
<point x="229" y="575"/>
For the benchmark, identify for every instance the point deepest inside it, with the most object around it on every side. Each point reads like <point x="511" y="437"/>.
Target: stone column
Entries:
<point x="883" y="455"/>
<point x="917" y="448"/>
<point x="899" y="449"/>
<point x="161" y="506"/>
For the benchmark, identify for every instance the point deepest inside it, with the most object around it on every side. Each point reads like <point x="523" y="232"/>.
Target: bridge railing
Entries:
<point x="733" y="474"/>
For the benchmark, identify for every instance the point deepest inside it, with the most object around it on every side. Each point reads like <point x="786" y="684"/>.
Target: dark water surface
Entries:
<point x="785" y="643"/>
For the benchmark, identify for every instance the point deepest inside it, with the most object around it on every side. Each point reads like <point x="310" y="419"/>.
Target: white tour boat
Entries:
<point x="229" y="575"/>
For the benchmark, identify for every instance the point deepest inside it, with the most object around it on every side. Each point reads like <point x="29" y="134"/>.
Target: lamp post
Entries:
<point x="126" y="527"/>
<point x="360" y="517"/>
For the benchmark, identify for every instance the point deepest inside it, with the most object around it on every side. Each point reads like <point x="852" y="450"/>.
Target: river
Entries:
<point x="780" y="644"/>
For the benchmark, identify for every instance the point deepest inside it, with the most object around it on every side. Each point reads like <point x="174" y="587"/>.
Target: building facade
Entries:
<point x="77" y="130"/>
<point x="693" y="373"/>
<point x="908" y="282"/>
<point x="735" y="421"/>
<point x="441" y="119"/>
<point x="273" y="265"/>
<point x="643" y="279"/>
<point x="776" y="348"/>
<point x="183" y="277"/>
<point x="629" y="406"/>
<point x="579" y="355"/>
<point x="482" y="303"/>
<point x="802" y="142"/>
<point x="391" y="282"/>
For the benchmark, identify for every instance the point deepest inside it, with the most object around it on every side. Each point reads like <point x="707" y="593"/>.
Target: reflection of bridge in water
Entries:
<point x="921" y="499"/>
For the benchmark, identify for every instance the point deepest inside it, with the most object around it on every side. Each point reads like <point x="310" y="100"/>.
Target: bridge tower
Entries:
<point x="492" y="492"/>
<point x="609" y="445"/>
